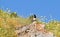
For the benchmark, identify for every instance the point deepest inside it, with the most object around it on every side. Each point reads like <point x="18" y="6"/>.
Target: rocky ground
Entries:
<point x="31" y="31"/>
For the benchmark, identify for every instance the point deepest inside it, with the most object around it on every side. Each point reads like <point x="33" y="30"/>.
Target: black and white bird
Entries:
<point x="34" y="17"/>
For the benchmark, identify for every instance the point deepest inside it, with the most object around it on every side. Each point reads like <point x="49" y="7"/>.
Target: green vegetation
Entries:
<point x="9" y="21"/>
<point x="54" y="26"/>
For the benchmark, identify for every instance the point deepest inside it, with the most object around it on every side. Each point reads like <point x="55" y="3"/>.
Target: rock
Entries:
<point x="31" y="31"/>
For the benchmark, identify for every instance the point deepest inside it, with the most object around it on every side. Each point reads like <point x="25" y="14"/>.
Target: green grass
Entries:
<point x="8" y="22"/>
<point x="54" y="26"/>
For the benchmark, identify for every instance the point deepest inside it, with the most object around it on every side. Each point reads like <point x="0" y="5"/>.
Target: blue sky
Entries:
<point x="25" y="8"/>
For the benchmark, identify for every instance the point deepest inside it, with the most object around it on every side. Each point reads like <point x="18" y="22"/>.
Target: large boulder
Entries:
<point x="31" y="31"/>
